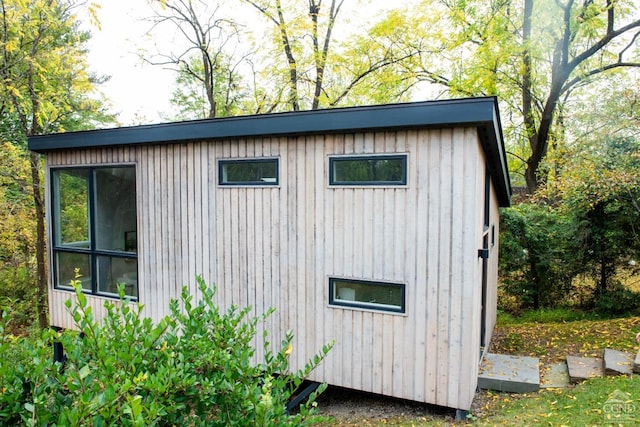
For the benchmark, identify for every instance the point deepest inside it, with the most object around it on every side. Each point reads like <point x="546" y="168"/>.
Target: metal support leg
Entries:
<point x="58" y="350"/>
<point x="461" y="414"/>
<point x="302" y="396"/>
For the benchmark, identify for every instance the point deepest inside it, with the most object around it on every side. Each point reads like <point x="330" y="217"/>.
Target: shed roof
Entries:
<point x="481" y="113"/>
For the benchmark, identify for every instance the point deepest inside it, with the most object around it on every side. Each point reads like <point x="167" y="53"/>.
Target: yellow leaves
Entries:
<point x="42" y="61"/>
<point x="93" y="8"/>
<point x="553" y="341"/>
<point x="12" y="45"/>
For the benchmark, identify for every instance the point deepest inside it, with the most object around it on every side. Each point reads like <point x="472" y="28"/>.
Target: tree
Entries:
<point x="193" y="101"/>
<point x="17" y="239"/>
<point x="296" y="65"/>
<point x="45" y="89"/>
<point x="210" y="59"/>
<point x="600" y="186"/>
<point x="533" y="54"/>
<point x="316" y="69"/>
<point x="591" y="38"/>
<point x="294" y="50"/>
<point x="540" y="254"/>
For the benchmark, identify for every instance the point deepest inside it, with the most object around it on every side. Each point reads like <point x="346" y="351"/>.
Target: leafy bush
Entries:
<point x="617" y="301"/>
<point x="18" y="293"/>
<point x="193" y="368"/>
<point x="539" y="254"/>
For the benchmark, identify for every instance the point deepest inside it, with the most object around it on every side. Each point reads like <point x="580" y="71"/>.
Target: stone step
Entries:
<point x="512" y="374"/>
<point x="617" y="362"/>
<point x="583" y="368"/>
<point x="555" y="375"/>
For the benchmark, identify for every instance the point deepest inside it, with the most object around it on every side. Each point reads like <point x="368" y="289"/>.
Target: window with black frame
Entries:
<point x="248" y="172"/>
<point x="384" y="296"/>
<point x="368" y="170"/>
<point x="94" y="229"/>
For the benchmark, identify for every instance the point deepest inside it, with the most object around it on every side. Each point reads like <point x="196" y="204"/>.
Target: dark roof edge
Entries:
<point x="479" y="112"/>
<point x="492" y="141"/>
<point x="371" y="118"/>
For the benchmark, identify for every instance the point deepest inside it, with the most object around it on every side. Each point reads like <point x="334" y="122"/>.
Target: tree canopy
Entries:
<point x="45" y="88"/>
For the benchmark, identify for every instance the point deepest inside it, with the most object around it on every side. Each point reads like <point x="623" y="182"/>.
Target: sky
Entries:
<point x="138" y="92"/>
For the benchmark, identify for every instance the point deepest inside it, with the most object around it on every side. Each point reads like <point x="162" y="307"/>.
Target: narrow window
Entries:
<point x="250" y="172"/>
<point x="94" y="229"/>
<point x="368" y="170"/>
<point x="366" y="294"/>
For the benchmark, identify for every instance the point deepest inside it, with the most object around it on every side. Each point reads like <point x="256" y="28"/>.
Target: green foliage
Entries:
<point x="582" y="405"/>
<point x="539" y="254"/>
<point x="617" y="300"/>
<point x="46" y="87"/>
<point x="547" y="315"/>
<point x="599" y="185"/>
<point x="17" y="236"/>
<point x="193" y="367"/>
<point x="191" y="98"/>
<point x="43" y="60"/>
<point x="26" y="377"/>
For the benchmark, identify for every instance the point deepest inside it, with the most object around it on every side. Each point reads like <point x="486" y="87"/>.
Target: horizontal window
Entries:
<point x="366" y="294"/>
<point x="94" y="229"/>
<point x="248" y="172"/>
<point x="368" y="170"/>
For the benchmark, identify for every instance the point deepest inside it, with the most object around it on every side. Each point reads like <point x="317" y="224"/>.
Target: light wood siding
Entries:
<point x="492" y="279"/>
<point x="277" y="246"/>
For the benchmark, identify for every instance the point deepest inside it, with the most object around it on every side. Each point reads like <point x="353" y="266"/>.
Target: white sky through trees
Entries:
<point x="139" y="92"/>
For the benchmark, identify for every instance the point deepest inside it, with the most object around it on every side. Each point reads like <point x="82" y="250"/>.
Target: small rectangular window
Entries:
<point x="368" y="170"/>
<point x="248" y="172"/>
<point x="366" y="294"/>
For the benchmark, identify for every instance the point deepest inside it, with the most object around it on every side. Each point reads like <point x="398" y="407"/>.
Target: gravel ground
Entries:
<point x="351" y="408"/>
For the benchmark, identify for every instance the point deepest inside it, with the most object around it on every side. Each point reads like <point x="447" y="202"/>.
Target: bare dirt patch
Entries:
<point x="354" y="408"/>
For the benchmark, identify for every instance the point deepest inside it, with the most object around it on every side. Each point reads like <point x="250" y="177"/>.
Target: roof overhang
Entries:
<point x="481" y="113"/>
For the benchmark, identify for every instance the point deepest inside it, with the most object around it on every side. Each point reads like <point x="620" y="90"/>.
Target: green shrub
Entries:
<point x="539" y="254"/>
<point x="192" y="368"/>
<point x="27" y="377"/>
<point x="617" y="301"/>
<point x="18" y="292"/>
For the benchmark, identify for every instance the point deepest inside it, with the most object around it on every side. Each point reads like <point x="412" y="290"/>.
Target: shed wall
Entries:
<point x="277" y="247"/>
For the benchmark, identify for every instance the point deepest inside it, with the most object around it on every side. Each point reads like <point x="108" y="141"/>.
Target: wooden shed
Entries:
<point x="376" y="227"/>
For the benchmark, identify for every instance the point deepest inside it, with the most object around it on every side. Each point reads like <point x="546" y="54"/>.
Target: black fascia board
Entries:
<point x="475" y="112"/>
<point x="492" y="141"/>
<point x="446" y="113"/>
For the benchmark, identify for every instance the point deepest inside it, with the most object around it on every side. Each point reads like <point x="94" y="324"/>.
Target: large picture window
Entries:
<point x="368" y="170"/>
<point x="248" y="172"/>
<point x="384" y="296"/>
<point x="94" y="229"/>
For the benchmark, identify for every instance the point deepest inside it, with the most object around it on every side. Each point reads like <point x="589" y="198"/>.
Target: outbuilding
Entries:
<point x="376" y="227"/>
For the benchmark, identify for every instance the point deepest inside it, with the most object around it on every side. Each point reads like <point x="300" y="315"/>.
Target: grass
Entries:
<point x="551" y="341"/>
<point x="548" y="315"/>
<point x="600" y="401"/>
<point x="551" y="335"/>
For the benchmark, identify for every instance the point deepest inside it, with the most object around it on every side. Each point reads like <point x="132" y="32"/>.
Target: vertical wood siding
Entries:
<point x="277" y="246"/>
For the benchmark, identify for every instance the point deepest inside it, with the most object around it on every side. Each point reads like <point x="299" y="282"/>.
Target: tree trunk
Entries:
<point x="209" y="84"/>
<point x="293" y="68"/>
<point x="41" y="271"/>
<point x="530" y="176"/>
